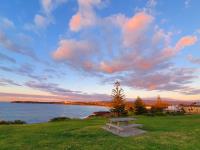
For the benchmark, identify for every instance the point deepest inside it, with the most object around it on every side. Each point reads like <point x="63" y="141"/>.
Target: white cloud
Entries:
<point x="151" y="3"/>
<point x="40" y="21"/>
<point x="187" y="3"/>
<point x="49" y="5"/>
<point x="85" y="16"/>
<point x="6" y="23"/>
<point x="43" y="19"/>
<point x="193" y="59"/>
<point x="14" y="46"/>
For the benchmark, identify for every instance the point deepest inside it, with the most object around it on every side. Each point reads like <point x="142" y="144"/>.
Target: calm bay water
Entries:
<point x="35" y="113"/>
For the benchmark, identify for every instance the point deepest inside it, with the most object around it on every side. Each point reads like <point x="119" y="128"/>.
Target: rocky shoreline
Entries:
<point x="100" y="114"/>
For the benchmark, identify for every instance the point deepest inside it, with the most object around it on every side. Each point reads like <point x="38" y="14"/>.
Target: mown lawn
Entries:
<point x="163" y="133"/>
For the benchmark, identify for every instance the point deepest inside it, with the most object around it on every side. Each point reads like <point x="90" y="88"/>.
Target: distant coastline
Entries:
<point x="100" y="103"/>
<point x="96" y="103"/>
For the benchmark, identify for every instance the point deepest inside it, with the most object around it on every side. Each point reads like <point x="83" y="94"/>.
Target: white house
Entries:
<point x="173" y="108"/>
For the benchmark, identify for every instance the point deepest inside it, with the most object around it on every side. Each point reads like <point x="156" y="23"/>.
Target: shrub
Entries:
<point x="59" y="119"/>
<point x="175" y="113"/>
<point x="19" y="122"/>
<point x="12" y="122"/>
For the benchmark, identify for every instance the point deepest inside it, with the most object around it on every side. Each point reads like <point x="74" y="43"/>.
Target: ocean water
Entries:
<point x="36" y="113"/>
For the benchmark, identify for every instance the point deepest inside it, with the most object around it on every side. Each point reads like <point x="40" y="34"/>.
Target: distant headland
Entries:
<point x="100" y="103"/>
<point x="94" y="103"/>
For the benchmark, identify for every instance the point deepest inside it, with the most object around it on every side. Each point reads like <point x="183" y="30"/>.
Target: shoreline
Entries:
<point x="94" y="114"/>
<point x="98" y="108"/>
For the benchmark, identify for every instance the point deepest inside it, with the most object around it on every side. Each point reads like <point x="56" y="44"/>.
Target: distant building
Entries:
<point x="173" y="108"/>
<point x="194" y="108"/>
<point x="148" y="107"/>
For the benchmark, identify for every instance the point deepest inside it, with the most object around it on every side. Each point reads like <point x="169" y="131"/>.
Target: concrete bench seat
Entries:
<point x="132" y="126"/>
<point x="114" y="126"/>
<point x="123" y="127"/>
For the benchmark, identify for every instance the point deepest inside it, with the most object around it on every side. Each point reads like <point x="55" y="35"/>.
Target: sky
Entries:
<point x="76" y="49"/>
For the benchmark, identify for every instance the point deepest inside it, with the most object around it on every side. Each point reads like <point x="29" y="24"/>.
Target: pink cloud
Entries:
<point x="71" y="49"/>
<point x="76" y="53"/>
<point x="85" y="16"/>
<point x="185" y="41"/>
<point x="134" y="28"/>
<point x="143" y="50"/>
<point x="135" y="46"/>
<point x="135" y="60"/>
<point x="75" y="22"/>
<point x="171" y="79"/>
<point x="181" y="44"/>
<point x="144" y="65"/>
<point x="109" y="68"/>
<point x="161" y="36"/>
<point x="135" y="31"/>
<point x="139" y="21"/>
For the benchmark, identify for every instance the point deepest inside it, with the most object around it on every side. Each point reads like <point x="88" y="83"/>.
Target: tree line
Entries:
<point x="121" y="107"/>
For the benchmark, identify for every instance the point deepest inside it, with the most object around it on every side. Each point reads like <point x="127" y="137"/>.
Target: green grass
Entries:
<point x="163" y="133"/>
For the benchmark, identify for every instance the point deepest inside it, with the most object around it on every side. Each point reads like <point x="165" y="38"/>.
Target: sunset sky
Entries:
<point x="76" y="49"/>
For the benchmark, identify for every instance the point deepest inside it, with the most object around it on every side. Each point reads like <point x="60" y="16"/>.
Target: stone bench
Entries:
<point x="133" y="126"/>
<point x="119" y="129"/>
<point x="122" y="128"/>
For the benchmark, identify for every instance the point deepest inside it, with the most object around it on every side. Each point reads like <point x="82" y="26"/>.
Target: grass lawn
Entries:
<point x="163" y="133"/>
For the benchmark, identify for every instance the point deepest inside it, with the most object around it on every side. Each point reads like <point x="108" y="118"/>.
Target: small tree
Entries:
<point x="139" y="106"/>
<point x="159" y="105"/>
<point x="129" y="106"/>
<point x="118" y="100"/>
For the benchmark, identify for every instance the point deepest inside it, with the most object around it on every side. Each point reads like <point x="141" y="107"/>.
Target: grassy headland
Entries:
<point x="163" y="133"/>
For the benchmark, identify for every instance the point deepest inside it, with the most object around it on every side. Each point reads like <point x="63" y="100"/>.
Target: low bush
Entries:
<point x="59" y="119"/>
<point x="12" y="122"/>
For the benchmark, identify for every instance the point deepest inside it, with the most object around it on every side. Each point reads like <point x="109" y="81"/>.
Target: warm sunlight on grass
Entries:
<point x="171" y="132"/>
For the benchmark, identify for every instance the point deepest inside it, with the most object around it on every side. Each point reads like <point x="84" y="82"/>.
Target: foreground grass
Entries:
<point x="164" y="133"/>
